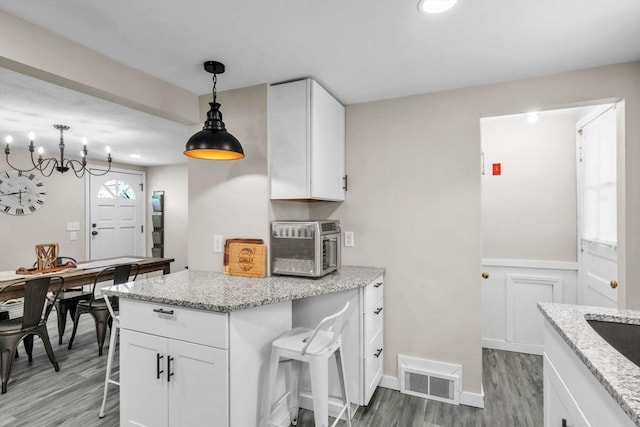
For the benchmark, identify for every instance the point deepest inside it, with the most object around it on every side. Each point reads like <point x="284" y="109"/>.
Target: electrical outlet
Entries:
<point x="349" y="239"/>
<point x="218" y="242"/>
<point x="73" y="226"/>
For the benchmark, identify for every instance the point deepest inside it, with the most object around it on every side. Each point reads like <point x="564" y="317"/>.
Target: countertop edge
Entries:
<point x="620" y="316"/>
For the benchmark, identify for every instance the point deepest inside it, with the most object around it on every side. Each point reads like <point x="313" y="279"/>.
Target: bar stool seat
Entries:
<point x="315" y="347"/>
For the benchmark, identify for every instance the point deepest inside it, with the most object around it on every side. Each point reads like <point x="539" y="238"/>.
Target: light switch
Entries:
<point x="73" y="226"/>
<point x="218" y="241"/>
<point x="73" y="235"/>
<point x="349" y="239"/>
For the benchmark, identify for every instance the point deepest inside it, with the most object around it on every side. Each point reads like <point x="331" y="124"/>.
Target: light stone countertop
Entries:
<point x="617" y="374"/>
<point x="206" y="290"/>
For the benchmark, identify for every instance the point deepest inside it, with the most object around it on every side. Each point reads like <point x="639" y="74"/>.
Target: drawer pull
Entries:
<point x="158" y="370"/>
<point x="378" y="311"/>
<point x="377" y="285"/>
<point x="169" y="373"/>
<point x="564" y="423"/>
<point x="163" y="311"/>
<point x="378" y="353"/>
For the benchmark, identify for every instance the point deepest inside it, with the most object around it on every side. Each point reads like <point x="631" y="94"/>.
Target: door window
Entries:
<point x="116" y="189"/>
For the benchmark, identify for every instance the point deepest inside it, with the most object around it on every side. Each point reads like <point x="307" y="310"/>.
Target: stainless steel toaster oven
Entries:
<point x="305" y="248"/>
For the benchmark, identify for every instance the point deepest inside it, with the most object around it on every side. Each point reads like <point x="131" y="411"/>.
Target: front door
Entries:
<point x="597" y="225"/>
<point x="116" y="215"/>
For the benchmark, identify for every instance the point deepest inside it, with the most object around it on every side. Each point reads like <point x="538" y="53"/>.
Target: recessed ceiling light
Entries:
<point x="435" y="6"/>
<point x="533" y="117"/>
<point x="135" y="156"/>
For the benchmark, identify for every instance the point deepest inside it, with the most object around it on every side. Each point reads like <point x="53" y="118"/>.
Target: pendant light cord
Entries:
<point x="215" y="81"/>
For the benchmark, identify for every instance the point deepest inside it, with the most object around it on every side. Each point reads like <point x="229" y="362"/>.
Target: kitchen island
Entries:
<point x="586" y="380"/>
<point x="195" y="345"/>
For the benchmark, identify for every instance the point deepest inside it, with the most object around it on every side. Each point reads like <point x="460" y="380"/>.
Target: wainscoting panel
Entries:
<point x="510" y="317"/>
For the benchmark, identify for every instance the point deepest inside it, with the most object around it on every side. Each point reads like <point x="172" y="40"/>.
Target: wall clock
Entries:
<point x="21" y="192"/>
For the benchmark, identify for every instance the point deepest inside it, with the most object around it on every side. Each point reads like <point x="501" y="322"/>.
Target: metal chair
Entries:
<point x="67" y="300"/>
<point x="33" y="322"/>
<point x="315" y="347"/>
<point x="97" y="307"/>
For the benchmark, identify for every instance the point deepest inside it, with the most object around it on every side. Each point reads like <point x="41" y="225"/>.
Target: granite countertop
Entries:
<point x="617" y="374"/>
<point x="206" y="290"/>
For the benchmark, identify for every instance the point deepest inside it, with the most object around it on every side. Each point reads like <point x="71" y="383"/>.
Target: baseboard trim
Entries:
<point x="466" y="398"/>
<point x="390" y="382"/>
<point x="530" y="263"/>
<point x="473" y="399"/>
<point x="509" y="346"/>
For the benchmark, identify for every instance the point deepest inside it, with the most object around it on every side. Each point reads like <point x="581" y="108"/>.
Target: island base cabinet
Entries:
<point x="162" y="378"/>
<point x="560" y="408"/>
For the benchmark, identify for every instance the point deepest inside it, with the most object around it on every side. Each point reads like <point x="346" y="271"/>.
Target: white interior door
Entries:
<point x="597" y="205"/>
<point x="116" y="215"/>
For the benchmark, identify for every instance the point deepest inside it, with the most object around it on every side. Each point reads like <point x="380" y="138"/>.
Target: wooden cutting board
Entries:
<point x="245" y="257"/>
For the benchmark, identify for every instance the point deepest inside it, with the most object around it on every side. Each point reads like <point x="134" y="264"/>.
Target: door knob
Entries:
<point x="485" y="275"/>
<point x="94" y="233"/>
<point x="613" y="284"/>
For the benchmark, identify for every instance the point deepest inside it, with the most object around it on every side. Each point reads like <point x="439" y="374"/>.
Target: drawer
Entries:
<point x="373" y="292"/>
<point x="196" y="326"/>
<point x="373" y="321"/>
<point x="373" y="368"/>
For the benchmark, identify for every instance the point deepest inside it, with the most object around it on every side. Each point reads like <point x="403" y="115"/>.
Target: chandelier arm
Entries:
<point x="45" y="165"/>
<point x="15" y="168"/>
<point x="99" y="174"/>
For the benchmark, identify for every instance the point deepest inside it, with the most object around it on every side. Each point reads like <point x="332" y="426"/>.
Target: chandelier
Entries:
<point x="47" y="165"/>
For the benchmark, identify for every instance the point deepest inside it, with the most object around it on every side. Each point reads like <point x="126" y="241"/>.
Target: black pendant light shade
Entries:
<point x="213" y="142"/>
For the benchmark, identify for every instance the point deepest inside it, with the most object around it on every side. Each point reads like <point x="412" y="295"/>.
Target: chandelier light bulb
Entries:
<point x="8" y="139"/>
<point x="435" y="6"/>
<point x="40" y="151"/>
<point x="84" y="140"/>
<point x="32" y="136"/>
<point x="107" y="149"/>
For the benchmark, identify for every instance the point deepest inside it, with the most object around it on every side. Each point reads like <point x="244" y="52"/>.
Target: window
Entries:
<point x="116" y="189"/>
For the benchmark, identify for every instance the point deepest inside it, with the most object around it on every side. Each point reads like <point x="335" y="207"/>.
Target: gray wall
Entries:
<point x="414" y="203"/>
<point x="529" y="211"/>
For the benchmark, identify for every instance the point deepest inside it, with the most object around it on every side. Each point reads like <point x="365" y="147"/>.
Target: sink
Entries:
<point x="622" y="336"/>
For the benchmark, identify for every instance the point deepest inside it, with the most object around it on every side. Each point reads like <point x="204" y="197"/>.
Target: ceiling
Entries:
<point x="360" y="50"/>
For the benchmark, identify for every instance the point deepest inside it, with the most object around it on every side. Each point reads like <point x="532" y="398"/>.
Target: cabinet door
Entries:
<point x="143" y="390"/>
<point x="289" y="140"/>
<point x="560" y="408"/>
<point x="198" y="385"/>
<point x="327" y="145"/>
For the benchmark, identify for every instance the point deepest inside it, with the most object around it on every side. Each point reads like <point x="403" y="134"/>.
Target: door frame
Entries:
<point x="87" y="206"/>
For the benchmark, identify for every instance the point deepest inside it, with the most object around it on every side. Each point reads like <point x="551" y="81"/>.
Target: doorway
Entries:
<point x="116" y="212"/>
<point x="532" y="220"/>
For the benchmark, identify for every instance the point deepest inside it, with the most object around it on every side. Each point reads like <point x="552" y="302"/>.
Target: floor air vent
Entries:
<point x="430" y="379"/>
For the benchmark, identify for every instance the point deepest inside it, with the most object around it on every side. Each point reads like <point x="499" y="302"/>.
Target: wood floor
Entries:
<point x="39" y="396"/>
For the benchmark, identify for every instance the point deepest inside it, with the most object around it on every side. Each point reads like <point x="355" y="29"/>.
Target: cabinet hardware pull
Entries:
<point x="485" y="275"/>
<point x="169" y="373"/>
<point x="613" y="284"/>
<point x="378" y="311"/>
<point x="345" y="180"/>
<point x="378" y="353"/>
<point x="163" y="311"/>
<point x="377" y="285"/>
<point x="564" y="423"/>
<point x="158" y="371"/>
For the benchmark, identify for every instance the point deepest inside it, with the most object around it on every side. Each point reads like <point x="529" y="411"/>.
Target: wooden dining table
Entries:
<point x="80" y="276"/>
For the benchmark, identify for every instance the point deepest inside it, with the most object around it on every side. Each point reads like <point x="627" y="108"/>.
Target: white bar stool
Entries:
<point x="315" y="347"/>
<point x="115" y="329"/>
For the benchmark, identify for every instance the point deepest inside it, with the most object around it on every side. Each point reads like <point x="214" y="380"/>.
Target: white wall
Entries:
<point x="173" y="180"/>
<point x="529" y="211"/>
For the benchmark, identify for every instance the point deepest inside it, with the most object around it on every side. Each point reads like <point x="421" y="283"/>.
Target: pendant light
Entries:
<point x="213" y="142"/>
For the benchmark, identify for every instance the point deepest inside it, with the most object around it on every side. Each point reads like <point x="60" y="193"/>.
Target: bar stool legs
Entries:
<point x="108" y="380"/>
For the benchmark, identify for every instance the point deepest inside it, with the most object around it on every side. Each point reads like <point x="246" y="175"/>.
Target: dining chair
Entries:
<point x="33" y="322"/>
<point x="97" y="307"/>
<point x="67" y="300"/>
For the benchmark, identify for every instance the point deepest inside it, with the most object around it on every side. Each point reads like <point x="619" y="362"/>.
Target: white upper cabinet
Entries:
<point x="306" y="142"/>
